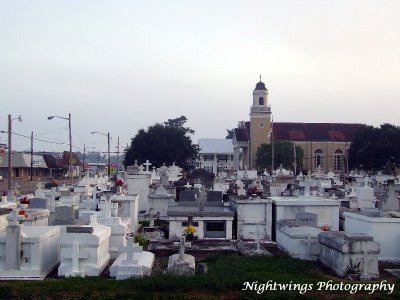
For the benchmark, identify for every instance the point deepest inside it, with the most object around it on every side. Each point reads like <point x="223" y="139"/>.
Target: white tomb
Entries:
<point x="299" y="238"/>
<point x="133" y="262"/>
<point x="384" y="230"/>
<point x="84" y="250"/>
<point x="28" y="252"/>
<point x="160" y="200"/>
<point x="253" y="212"/>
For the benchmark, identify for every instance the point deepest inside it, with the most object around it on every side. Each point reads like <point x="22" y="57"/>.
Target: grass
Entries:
<point x="225" y="280"/>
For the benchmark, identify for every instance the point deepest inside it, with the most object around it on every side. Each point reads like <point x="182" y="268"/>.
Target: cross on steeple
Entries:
<point x="260" y="77"/>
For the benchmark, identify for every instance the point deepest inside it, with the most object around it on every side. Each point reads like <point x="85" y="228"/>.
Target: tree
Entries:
<point x="163" y="143"/>
<point x="283" y="154"/>
<point x="376" y="148"/>
<point x="240" y="124"/>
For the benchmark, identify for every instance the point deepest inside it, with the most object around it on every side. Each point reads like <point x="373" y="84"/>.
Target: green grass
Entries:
<point x="225" y="278"/>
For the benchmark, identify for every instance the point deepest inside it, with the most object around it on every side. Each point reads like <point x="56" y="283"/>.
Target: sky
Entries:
<point x="118" y="66"/>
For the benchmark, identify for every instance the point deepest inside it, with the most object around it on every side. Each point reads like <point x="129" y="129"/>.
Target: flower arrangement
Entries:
<point x="24" y="200"/>
<point x="22" y="216"/>
<point x="325" y="227"/>
<point x="119" y="182"/>
<point x="190" y="229"/>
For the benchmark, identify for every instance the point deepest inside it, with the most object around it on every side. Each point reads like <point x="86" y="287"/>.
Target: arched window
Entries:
<point x="338" y="160"/>
<point x="318" y="159"/>
<point x="261" y="101"/>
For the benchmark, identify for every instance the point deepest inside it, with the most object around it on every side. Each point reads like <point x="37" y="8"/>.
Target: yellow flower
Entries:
<point x="190" y="229"/>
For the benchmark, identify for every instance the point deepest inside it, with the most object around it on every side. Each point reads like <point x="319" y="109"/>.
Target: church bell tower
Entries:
<point x="260" y="121"/>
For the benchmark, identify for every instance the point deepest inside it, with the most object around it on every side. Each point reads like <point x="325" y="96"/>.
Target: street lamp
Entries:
<point x="10" y="148"/>
<point x="70" y="143"/>
<point x="108" y="141"/>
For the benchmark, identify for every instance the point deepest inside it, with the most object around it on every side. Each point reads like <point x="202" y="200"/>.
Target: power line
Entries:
<point x="44" y="141"/>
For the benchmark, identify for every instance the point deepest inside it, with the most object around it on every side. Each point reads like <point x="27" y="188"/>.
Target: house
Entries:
<point x="23" y="164"/>
<point x="215" y="155"/>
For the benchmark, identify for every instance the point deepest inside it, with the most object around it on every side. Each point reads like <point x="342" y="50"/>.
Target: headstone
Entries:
<point x="306" y="219"/>
<point x="65" y="215"/>
<point x="187" y="196"/>
<point x="38" y="203"/>
<point x="214" y="196"/>
<point x="13" y="247"/>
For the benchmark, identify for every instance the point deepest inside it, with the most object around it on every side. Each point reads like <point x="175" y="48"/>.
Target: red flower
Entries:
<point x="119" y="182"/>
<point x="24" y="200"/>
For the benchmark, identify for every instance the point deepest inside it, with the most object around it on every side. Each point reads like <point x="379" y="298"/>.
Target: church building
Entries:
<point x="325" y="145"/>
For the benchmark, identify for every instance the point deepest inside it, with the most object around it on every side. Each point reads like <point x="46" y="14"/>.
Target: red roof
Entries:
<point x="314" y="132"/>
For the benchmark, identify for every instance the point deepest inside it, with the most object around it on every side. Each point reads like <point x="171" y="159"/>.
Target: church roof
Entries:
<point x="260" y="86"/>
<point x="313" y="132"/>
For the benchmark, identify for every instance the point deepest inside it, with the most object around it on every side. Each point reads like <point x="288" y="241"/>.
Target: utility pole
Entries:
<point x="70" y="149"/>
<point x="84" y="154"/>
<point x="9" y="153"/>
<point x="295" y="160"/>
<point x="32" y="156"/>
<point x="272" y="147"/>
<point x="118" y="155"/>
<point x="9" y="172"/>
<point x="109" y="158"/>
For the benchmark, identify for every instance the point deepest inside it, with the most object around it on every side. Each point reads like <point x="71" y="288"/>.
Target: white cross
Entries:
<point x="107" y="209"/>
<point x="39" y="185"/>
<point x="130" y="249"/>
<point x="87" y="204"/>
<point x="13" y="218"/>
<point x="75" y="256"/>
<point x="188" y="186"/>
<point x="258" y="238"/>
<point x="93" y="221"/>
<point x="181" y="247"/>
<point x="147" y="165"/>
<point x="141" y="169"/>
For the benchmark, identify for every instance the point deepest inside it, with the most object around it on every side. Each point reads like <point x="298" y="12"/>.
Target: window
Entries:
<point x="222" y="158"/>
<point x="208" y="169"/>
<point x="338" y="160"/>
<point x="318" y="159"/>
<point x="261" y="101"/>
<point x="215" y="226"/>
<point x="208" y="157"/>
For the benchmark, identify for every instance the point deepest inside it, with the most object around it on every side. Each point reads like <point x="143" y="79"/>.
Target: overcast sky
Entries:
<point x="119" y="66"/>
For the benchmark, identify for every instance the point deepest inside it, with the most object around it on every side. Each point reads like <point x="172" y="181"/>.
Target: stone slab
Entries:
<point x="80" y="229"/>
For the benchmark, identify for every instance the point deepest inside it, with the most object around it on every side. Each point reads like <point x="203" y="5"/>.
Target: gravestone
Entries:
<point x="181" y="263"/>
<point x="38" y="203"/>
<point x="187" y="196"/>
<point x="214" y="196"/>
<point x="66" y="215"/>
<point x="306" y="219"/>
<point x="133" y="262"/>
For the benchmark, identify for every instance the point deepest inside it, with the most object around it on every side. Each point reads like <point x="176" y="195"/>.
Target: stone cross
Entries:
<point x="141" y="169"/>
<point x="87" y="202"/>
<point x="151" y="217"/>
<point x="258" y="234"/>
<point x="181" y="248"/>
<point x="366" y="181"/>
<point x="76" y="255"/>
<point x="93" y="221"/>
<point x="187" y="185"/>
<point x="39" y="185"/>
<point x="365" y="262"/>
<point x="147" y="164"/>
<point x="107" y="209"/>
<point x="13" y="218"/>
<point x="130" y="249"/>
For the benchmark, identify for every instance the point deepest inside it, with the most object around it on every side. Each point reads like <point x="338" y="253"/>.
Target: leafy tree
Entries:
<point x="376" y="148"/>
<point x="163" y="143"/>
<point x="240" y="124"/>
<point x="283" y="154"/>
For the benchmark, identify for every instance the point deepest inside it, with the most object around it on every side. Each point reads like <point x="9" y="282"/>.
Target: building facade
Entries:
<point x="325" y="145"/>
<point x="216" y="155"/>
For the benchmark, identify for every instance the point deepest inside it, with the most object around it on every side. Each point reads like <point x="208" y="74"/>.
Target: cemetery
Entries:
<point x="162" y="223"/>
